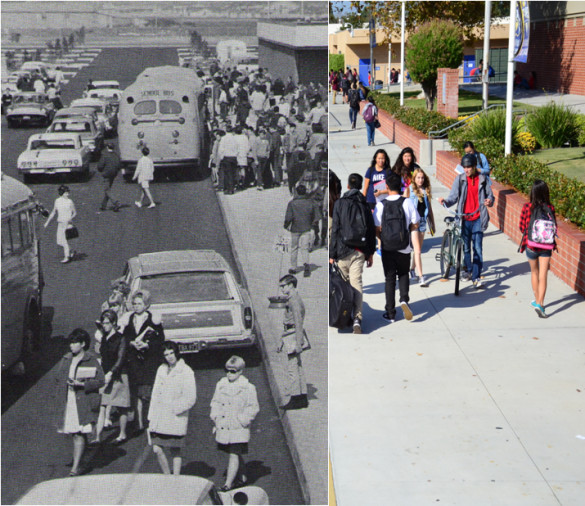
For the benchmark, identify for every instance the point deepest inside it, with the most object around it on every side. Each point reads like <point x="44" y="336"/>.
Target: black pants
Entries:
<point x="107" y="185"/>
<point x="229" y="166"/>
<point x="396" y="265"/>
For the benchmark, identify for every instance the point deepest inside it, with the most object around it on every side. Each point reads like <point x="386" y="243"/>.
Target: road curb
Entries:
<point x="276" y="393"/>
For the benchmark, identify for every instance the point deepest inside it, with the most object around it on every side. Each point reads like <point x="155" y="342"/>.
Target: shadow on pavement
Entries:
<point x="568" y="301"/>
<point x="198" y="468"/>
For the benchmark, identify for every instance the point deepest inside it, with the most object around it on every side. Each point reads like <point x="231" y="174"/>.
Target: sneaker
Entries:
<point x="307" y="272"/>
<point x="406" y="310"/>
<point x="138" y="204"/>
<point x="540" y="311"/>
<point x="357" y="326"/>
<point x="422" y="282"/>
<point x="534" y="304"/>
<point x="151" y="205"/>
<point x="386" y="317"/>
<point x="465" y="276"/>
<point x="478" y="285"/>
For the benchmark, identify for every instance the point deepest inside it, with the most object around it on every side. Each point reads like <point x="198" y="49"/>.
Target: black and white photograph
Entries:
<point x="164" y="252"/>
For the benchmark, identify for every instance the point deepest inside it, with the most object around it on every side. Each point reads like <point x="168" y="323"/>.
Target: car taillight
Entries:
<point x="248" y="317"/>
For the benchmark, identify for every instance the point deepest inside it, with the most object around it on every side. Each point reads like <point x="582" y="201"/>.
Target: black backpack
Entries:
<point x="354" y="99"/>
<point x="341" y="296"/>
<point x="395" y="234"/>
<point x="354" y="224"/>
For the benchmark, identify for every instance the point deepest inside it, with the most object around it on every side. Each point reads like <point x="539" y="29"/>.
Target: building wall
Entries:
<point x="557" y="55"/>
<point x="13" y="21"/>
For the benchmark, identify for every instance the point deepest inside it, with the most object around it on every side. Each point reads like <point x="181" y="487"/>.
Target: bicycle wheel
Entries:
<point x="458" y="258"/>
<point x="445" y="258"/>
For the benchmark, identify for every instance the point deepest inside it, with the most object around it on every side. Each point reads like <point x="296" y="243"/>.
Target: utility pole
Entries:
<point x="510" y="78"/>
<point x="486" y="53"/>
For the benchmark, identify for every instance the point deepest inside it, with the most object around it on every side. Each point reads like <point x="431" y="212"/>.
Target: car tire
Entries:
<point x="11" y="124"/>
<point x="27" y="178"/>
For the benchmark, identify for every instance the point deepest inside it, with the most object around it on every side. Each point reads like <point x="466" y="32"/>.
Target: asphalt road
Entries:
<point x="187" y="217"/>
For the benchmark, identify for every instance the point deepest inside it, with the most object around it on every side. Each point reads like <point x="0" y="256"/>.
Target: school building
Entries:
<point x="556" y="52"/>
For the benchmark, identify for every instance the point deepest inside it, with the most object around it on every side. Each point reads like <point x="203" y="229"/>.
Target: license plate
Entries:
<point x="188" y="347"/>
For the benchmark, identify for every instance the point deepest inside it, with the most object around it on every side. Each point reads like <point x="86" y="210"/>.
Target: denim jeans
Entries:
<point x="353" y="116"/>
<point x="371" y="131"/>
<point x="472" y="237"/>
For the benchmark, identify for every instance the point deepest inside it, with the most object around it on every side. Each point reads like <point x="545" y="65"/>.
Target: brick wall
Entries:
<point x="568" y="263"/>
<point x="448" y="92"/>
<point x="557" y="54"/>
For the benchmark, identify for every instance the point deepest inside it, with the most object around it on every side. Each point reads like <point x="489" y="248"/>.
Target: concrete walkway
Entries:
<point x="255" y="221"/>
<point x="477" y="401"/>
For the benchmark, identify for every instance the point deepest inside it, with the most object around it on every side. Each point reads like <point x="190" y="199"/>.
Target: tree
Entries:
<point x="336" y="62"/>
<point x="435" y="44"/>
<point x="466" y="14"/>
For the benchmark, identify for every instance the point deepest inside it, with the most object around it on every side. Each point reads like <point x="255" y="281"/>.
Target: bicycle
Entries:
<point x="452" y="247"/>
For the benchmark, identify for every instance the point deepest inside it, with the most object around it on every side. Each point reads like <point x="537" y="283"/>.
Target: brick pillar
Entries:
<point x="448" y="92"/>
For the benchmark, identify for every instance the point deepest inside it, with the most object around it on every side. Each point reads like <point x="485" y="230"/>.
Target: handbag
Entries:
<point x="377" y="124"/>
<point x="71" y="232"/>
<point x="290" y="342"/>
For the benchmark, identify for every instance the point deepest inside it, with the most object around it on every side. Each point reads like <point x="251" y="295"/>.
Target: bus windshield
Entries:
<point x="145" y="107"/>
<point x="169" y="107"/>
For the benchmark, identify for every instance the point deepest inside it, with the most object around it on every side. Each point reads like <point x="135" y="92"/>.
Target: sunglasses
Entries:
<point x="234" y="371"/>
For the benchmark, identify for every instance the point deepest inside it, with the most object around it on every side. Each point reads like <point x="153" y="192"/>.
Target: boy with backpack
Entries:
<point x="354" y="104"/>
<point x="353" y="241"/>
<point x="395" y="218"/>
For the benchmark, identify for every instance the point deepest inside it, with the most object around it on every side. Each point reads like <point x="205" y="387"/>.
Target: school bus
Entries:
<point x="164" y="110"/>
<point x="22" y="277"/>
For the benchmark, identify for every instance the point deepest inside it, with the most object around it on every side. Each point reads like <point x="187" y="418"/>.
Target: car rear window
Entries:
<point x="52" y="145"/>
<point x="186" y="287"/>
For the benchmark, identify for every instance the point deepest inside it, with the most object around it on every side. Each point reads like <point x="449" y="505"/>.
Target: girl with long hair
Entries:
<point x="404" y="166"/>
<point x="421" y="196"/>
<point x="376" y="172"/>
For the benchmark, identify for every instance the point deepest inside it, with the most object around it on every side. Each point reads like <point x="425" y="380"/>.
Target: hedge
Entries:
<point x="336" y="62"/>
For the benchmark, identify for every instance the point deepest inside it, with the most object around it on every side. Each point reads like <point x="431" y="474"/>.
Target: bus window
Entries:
<point x="11" y="239"/>
<point x="6" y="239"/>
<point x="169" y="107"/>
<point x="145" y="107"/>
<point x="26" y="228"/>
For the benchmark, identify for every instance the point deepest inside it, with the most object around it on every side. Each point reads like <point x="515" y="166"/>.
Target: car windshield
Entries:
<point x="186" y="287"/>
<point x="28" y="99"/>
<point x="59" y="144"/>
<point x="70" y="127"/>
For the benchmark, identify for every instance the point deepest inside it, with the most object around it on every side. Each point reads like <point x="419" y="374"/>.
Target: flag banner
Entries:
<point x="373" y="33"/>
<point x="522" y="34"/>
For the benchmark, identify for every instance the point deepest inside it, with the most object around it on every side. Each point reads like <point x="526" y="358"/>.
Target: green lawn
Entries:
<point x="567" y="161"/>
<point x="469" y="102"/>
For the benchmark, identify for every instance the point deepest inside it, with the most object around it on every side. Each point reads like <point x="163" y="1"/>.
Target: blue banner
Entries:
<point x="373" y="33"/>
<point x="522" y="35"/>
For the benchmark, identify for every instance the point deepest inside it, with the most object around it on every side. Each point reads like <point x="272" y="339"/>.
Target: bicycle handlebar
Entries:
<point x="459" y="215"/>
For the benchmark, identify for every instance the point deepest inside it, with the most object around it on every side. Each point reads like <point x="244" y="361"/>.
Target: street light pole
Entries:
<point x="371" y="50"/>
<point x="510" y="78"/>
<point x="486" y="52"/>
<point x="402" y="53"/>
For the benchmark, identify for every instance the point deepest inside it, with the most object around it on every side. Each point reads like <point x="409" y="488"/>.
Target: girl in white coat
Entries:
<point x="233" y="407"/>
<point x="173" y="395"/>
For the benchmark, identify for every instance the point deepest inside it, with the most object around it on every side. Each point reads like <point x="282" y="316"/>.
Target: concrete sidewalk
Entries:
<point x="477" y="401"/>
<point x="255" y="221"/>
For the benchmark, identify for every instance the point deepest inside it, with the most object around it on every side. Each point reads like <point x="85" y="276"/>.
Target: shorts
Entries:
<point x="145" y="184"/>
<point x="422" y="225"/>
<point x="236" y="448"/>
<point x="533" y="254"/>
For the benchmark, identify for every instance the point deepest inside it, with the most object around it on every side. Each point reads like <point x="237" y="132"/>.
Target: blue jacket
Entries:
<point x="483" y="167"/>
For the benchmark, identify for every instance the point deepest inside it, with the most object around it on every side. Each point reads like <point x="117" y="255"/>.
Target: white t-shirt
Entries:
<point x="410" y="213"/>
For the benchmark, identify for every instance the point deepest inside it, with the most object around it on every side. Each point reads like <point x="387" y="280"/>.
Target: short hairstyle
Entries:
<point x="63" y="189"/>
<point x="79" y="335"/>
<point x="236" y="362"/>
<point x="355" y="181"/>
<point x="122" y="287"/>
<point x="171" y="345"/>
<point x="393" y="181"/>
<point x="288" y="279"/>
<point x="142" y="294"/>
<point x="301" y="189"/>
<point x="145" y="151"/>
<point x="109" y="314"/>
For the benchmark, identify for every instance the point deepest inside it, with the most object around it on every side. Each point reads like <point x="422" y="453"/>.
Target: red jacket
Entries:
<point x="525" y="220"/>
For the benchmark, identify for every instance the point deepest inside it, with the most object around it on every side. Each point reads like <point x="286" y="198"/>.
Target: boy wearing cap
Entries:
<point x="472" y="192"/>
<point x="109" y="166"/>
<point x="294" y="317"/>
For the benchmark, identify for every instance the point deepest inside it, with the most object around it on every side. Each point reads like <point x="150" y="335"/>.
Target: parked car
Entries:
<point x="90" y="135"/>
<point x="29" y="108"/>
<point x="54" y="153"/>
<point x="77" y="112"/>
<point x="197" y="297"/>
<point x="107" y="118"/>
<point x="37" y="67"/>
<point x="139" y="488"/>
<point x="9" y="83"/>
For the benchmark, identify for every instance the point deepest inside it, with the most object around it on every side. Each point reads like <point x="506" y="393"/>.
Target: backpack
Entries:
<point x="542" y="228"/>
<point x="353" y="223"/>
<point x="354" y="99"/>
<point x="368" y="113"/>
<point x="395" y="235"/>
<point x="341" y="297"/>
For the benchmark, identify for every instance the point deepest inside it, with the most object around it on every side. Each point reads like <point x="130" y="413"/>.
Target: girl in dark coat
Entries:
<point x="117" y="390"/>
<point x="78" y="380"/>
<point x="144" y="336"/>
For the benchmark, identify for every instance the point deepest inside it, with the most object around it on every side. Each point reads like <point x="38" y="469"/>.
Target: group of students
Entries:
<point x="389" y="211"/>
<point x="134" y="370"/>
<point x="265" y="131"/>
